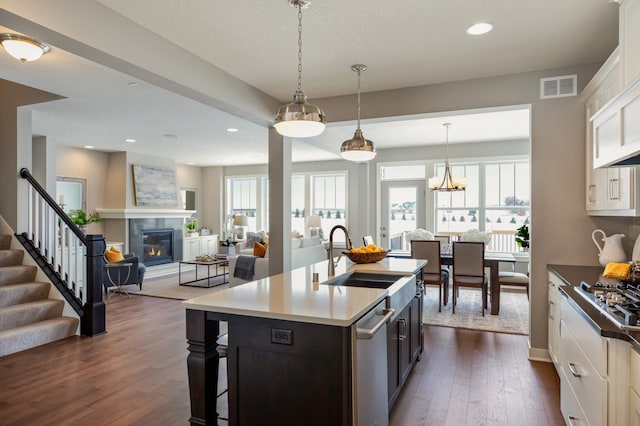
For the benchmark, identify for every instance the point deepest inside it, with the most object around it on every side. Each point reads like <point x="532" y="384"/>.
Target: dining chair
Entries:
<point x="468" y="270"/>
<point x="515" y="279"/>
<point x="433" y="272"/>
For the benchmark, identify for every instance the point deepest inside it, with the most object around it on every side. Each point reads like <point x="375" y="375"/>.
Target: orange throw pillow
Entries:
<point x="113" y="255"/>
<point x="259" y="249"/>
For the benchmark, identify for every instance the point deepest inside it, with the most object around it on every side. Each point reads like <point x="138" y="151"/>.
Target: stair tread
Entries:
<point x="30" y="304"/>
<point x="13" y="316"/>
<point x="36" y="334"/>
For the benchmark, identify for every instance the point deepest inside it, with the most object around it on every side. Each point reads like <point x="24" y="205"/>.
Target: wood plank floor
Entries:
<point x="135" y="374"/>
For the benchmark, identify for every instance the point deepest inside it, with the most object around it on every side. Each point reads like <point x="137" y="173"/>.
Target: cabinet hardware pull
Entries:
<point x="367" y="333"/>
<point x="591" y="193"/>
<point x="611" y="188"/>
<point x="403" y="329"/>
<point x="572" y="369"/>
<point x="571" y="419"/>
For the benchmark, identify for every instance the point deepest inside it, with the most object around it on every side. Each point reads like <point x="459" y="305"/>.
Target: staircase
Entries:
<point x="28" y="318"/>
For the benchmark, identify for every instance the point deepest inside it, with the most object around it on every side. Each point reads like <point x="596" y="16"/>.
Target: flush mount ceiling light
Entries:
<point x="300" y="119"/>
<point x="358" y="148"/>
<point x="448" y="183"/>
<point x="480" y="28"/>
<point x="22" y="47"/>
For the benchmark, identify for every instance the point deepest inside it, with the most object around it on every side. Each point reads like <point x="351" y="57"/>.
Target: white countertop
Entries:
<point x="293" y="296"/>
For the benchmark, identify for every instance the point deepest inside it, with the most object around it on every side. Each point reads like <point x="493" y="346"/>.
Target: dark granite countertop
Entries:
<point x="572" y="276"/>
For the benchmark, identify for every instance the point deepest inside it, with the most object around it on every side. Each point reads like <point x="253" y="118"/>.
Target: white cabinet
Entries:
<point x="634" y="389"/>
<point x="609" y="191"/>
<point x="594" y="372"/>
<point x="629" y="37"/>
<point x="198" y="246"/>
<point x="553" y="320"/>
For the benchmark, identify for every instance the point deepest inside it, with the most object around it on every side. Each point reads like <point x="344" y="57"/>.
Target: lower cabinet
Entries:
<point x="594" y="372"/>
<point x="198" y="246"/>
<point x="404" y="346"/>
<point x="553" y="318"/>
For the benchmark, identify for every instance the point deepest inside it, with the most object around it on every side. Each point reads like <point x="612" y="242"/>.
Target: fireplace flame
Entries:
<point x="154" y="252"/>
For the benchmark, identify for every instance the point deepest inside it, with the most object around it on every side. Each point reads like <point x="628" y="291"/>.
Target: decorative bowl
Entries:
<point x="372" y="257"/>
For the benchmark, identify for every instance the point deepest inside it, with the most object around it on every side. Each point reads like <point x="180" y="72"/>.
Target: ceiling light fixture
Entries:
<point x="22" y="47"/>
<point x="448" y="183"/>
<point x="300" y="119"/>
<point x="231" y="129"/>
<point x="130" y="140"/>
<point x="480" y="28"/>
<point x="89" y="147"/>
<point x="358" y="148"/>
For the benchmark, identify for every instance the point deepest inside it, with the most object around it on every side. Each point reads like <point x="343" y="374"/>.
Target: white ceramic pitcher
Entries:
<point x="611" y="250"/>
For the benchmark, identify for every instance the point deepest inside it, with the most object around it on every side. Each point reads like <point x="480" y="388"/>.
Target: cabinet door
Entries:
<point x="210" y="244"/>
<point x="393" y="352"/>
<point x="630" y="40"/>
<point x="416" y="328"/>
<point x="191" y="248"/>
<point x="634" y="408"/>
<point x="620" y="182"/>
<point x="406" y="355"/>
<point x="553" y="320"/>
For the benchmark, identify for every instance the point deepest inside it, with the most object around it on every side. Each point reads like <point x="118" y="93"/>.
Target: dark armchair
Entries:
<point x="123" y="272"/>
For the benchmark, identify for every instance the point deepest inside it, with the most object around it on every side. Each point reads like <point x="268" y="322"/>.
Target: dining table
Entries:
<point x="492" y="260"/>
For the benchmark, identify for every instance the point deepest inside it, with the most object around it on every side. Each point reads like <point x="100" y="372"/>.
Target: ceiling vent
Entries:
<point x="558" y="87"/>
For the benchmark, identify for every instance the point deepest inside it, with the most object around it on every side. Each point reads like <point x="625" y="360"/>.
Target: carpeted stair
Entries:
<point x="28" y="318"/>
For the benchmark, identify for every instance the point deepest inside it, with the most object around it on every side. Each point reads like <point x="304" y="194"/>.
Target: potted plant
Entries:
<point x="81" y="219"/>
<point x="522" y="237"/>
<point x="192" y="228"/>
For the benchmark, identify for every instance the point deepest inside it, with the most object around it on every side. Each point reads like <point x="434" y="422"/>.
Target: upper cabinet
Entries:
<point x="616" y="125"/>
<point x="609" y="191"/>
<point x="630" y="40"/>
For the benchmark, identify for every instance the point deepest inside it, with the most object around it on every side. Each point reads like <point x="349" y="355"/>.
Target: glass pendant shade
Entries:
<point x="300" y="119"/>
<point x="23" y="48"/>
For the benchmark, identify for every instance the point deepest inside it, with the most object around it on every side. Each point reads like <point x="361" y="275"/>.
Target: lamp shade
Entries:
<point x="23" y="48"/>
<point x="314" y="221"/>
<point x="300" y="119"/>
<point x="240" y="220"/>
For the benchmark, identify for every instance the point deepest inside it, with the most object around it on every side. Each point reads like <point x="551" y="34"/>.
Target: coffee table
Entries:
<point x="218" y="263"/>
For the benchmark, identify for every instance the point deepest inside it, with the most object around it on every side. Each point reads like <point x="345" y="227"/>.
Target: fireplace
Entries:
<point x="157" y="246"/>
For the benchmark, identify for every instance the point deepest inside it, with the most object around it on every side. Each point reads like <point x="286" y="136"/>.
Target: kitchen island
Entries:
<point x="291" y="344"/>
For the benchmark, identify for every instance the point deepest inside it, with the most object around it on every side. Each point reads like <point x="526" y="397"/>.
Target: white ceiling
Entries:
<point x="405" y="44"/>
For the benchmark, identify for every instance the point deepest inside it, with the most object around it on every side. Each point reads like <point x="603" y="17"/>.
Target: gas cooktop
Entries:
<point x="618" y="302"/>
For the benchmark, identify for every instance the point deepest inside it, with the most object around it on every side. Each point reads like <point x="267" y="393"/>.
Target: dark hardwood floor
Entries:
<point x="136" y="374"/>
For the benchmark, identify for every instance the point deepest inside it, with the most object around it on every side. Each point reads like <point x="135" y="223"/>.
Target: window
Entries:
<point x="242" y="200"/>
<point x="329" y="194"/>
<point x="322" y="195"/>
<point x="497" y="199"/>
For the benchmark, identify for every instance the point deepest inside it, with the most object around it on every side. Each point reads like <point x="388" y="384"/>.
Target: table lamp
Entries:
<point x="239" y="222"/>
<point x="313" y="223"/>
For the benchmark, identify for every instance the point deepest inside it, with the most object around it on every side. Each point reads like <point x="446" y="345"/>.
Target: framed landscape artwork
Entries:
<point x="154" y="186"/>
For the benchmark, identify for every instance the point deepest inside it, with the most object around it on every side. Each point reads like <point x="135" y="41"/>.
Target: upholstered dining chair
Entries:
<point x="433" y="272"/>
<point x="468" y="270"/>
<point x="515" y="279"/>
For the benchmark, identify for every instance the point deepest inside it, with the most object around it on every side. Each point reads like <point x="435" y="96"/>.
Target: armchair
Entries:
<point x="119" y="273"/>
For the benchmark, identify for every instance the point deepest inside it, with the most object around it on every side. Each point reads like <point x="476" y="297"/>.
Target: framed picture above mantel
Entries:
<point x="154" y="186"/>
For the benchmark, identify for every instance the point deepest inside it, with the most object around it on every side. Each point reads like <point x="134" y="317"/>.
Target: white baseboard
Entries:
<point x="538" y="354"/>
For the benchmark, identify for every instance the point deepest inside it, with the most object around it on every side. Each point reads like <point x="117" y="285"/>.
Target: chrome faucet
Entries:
<point x="332" y="265"/>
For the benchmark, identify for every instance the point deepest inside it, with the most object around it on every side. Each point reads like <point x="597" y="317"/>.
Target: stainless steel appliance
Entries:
<point x="369" y="369"/>
<point x="618" y="302"/>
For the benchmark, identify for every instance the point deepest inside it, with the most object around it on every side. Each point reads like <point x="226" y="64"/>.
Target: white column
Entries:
<point x="279" y="203"/>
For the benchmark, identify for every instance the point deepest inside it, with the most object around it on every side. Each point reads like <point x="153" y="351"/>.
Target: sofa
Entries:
<point x="304" y="251"/>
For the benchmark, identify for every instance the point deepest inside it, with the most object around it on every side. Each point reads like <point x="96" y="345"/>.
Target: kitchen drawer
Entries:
<point x="591" y="343"/>
<point x="589" y="387"/>
<point x="569" y="405"/>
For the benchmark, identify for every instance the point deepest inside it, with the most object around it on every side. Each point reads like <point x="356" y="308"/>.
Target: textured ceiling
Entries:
<point x="404" y="44"/>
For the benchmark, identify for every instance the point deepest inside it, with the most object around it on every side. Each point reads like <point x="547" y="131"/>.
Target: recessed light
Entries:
<point x="132" y="83"/>
<point x="231" y="129"/>
<point x="170" y="136"/>
<point x="89" y="146"/>
<point x="479" y="28"/>
<point x="130" y="140"/>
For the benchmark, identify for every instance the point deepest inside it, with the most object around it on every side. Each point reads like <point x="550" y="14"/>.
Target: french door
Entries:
<point x="402" y="209"/>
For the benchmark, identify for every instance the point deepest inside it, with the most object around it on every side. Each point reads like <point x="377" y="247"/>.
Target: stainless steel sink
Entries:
<point x="401" y="288"/>
<point x="362" y="279"/>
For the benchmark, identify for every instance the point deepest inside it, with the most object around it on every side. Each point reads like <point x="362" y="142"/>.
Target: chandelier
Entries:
<point x="448" y="183"/>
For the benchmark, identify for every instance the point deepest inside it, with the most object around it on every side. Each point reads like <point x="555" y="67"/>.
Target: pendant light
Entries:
<point x="300" y="119"/>
<point x="448" y="183"/>
<point x="358" y="148"/>
<point x="22" y="47"/>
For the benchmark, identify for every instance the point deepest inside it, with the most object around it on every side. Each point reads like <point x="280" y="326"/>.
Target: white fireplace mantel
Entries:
<point x="143" y="213"/>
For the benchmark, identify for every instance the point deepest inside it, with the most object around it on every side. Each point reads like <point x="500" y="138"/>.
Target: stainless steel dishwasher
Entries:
<point x="369" y="366"/>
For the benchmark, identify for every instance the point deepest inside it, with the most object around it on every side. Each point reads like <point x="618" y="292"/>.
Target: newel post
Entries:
<point x="94" y="319"/>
